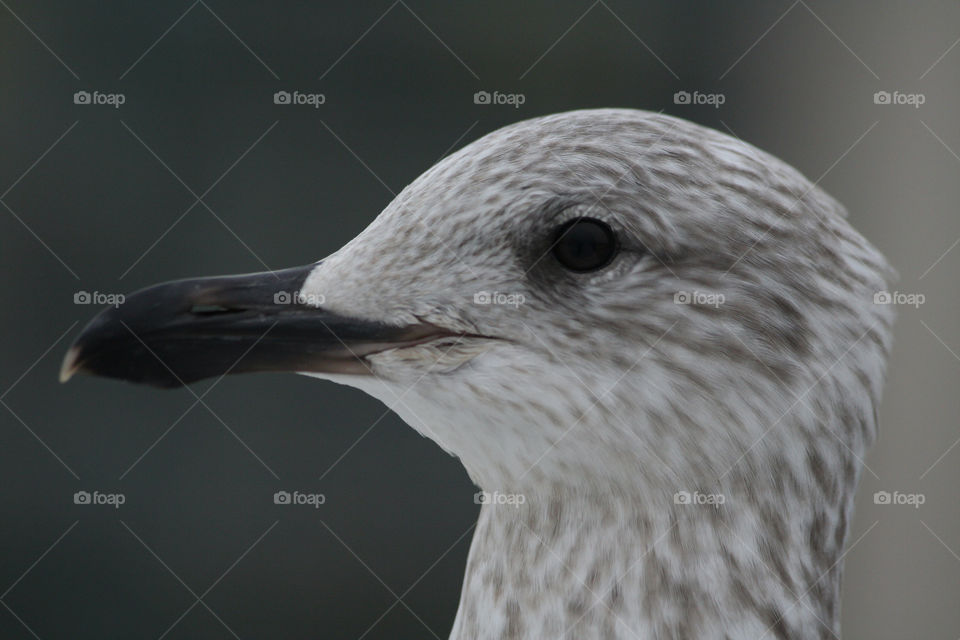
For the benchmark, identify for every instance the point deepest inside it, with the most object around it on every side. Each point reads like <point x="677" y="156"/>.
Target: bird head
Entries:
<point x="609" y="297"/>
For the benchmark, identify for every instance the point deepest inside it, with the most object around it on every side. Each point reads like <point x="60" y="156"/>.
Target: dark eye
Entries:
<point x="584" y="244"/>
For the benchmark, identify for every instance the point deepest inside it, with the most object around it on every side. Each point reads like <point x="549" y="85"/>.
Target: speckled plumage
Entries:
<point x="599" y="397"/>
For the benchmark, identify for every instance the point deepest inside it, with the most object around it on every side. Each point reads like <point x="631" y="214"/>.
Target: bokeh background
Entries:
<point x="199" y="172"/>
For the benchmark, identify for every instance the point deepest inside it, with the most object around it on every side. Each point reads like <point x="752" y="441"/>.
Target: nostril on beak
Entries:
<point x="212" y="309"/>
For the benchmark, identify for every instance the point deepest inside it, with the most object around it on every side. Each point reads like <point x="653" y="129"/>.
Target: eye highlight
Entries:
<point x="584" y="244"/>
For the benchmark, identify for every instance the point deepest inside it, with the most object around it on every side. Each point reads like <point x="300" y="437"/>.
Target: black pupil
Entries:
<point x="584" y="244"/>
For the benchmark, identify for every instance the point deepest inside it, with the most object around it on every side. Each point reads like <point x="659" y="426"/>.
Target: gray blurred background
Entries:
<point x="199" y="172"/>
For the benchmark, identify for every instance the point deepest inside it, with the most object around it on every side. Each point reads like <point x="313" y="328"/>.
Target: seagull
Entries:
<point x="653" y="346"/>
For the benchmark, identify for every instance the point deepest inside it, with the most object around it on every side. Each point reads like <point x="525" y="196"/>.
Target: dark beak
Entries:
<point x="175" y="333"/>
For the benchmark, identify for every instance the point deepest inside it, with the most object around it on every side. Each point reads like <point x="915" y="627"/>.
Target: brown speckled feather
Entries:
<point x="687" y="470"/>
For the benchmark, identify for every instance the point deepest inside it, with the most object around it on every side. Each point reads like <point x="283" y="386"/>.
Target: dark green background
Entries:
<point x="94" y="205"/>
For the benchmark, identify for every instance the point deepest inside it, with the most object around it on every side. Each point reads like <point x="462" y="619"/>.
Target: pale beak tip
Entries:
<point x="70" y="365"/>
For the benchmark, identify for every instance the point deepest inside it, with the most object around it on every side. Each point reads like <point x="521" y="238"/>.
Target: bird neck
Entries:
<point x="609" y="565"/>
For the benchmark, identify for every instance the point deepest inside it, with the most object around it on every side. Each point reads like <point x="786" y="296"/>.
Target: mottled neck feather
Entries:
<point x="574" y="565"/>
